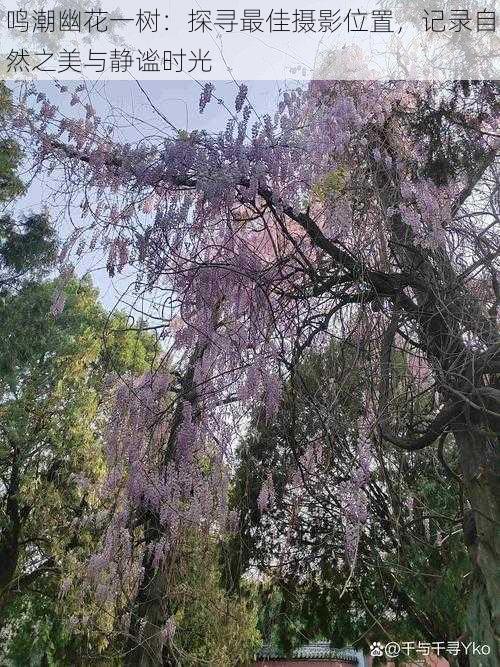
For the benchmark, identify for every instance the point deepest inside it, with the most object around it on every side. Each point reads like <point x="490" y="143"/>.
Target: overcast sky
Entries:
<point x="124" y="105"/>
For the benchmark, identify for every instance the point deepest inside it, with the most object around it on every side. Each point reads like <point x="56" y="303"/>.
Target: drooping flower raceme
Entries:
<point x="264" y="240"/>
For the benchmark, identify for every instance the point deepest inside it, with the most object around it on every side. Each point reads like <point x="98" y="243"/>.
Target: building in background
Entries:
<point x="315" y="654"/>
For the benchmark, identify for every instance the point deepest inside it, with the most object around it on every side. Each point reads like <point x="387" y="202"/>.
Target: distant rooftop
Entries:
<point x="315" y="650"/>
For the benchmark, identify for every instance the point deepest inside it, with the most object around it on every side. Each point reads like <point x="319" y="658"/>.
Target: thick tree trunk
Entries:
<point x="481" y="473"/>
<point x="476" y="435"/>
<point x="146" y="643"/>
<point x="10" y="535"/>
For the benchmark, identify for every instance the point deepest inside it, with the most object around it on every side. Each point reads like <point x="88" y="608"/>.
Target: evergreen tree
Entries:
<point x="27" y="245"/>
<point x="53" y="375"/>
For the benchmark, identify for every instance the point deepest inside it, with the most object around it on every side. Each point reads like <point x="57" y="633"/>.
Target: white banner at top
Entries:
<point x="248" y="40"/>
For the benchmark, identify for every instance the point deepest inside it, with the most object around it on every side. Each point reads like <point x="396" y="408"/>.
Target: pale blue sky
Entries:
<point x="125" y="105"/>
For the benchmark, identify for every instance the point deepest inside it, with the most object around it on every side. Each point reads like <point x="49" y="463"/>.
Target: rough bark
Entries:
<point x="9" y="539"/>
<point x="481" y="475"/>
<point x="473" y="405"/>
<point x="145" y="645"/>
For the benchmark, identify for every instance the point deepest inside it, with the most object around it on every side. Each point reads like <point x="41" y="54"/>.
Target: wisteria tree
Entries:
<point x="363" y="211"/>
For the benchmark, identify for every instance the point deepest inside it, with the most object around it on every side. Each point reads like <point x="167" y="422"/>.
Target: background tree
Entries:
<point x="27" y="245"/>
<point x="11" y="185"/>
<point x="411" y="566"/>
<point x="53" y="373"/>
<point x="211" y="626"/>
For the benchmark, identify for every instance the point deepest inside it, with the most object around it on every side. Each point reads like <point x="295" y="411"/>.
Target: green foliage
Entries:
<point x="35" y="634"/>
<point x="213" y="627"/>
<point x="10" y="184"/>
<point x="53" y="374"/>
<point x="331" y="184"/>
<point x="28" y="246"/>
